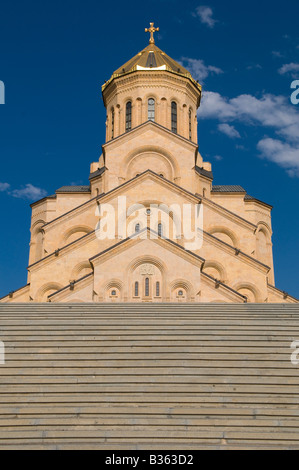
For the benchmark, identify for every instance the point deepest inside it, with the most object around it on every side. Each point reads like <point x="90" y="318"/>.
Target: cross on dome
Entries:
<point x="151" y="30"/>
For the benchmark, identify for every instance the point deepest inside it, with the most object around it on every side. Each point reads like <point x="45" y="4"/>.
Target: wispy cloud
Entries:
<point x="254" y="66"/>
<point x="230" y="131"/>
<point x="4" y="187"/>
<point x="277" y="54"/>
<point x="28" y="192"/>
<point x="280" y="152"/>
<point x="205" y="14"/>
<point x="291" y="68"/>
<point x="270" y="111"/>
<point x="198" y="69"/>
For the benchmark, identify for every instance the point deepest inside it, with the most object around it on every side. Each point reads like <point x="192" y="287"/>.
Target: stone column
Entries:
<point x="116" y="121"/>
<point x="185" y="122"/>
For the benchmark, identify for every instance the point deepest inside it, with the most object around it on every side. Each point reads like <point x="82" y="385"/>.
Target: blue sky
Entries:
<point x="54" y="57"/>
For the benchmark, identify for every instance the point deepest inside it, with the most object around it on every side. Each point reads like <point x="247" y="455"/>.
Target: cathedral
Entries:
<point x="127" y="235"/>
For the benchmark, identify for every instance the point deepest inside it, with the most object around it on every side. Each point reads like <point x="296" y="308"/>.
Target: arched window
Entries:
<point x="174" y="117"/>
<point x="137" y="228"/>
<point x="112" y="123"/>
<point x="180" y="293"/>
<point x="128" y="116"/>
<point x="158" y="289"/>
<point x="151" y="109"/>
<point x="136" y="289"/>
<point x="160" y="230"/>
<point x="190" y="124"/>
<point x="113" y="292"/>
<point x="146" y="285"/>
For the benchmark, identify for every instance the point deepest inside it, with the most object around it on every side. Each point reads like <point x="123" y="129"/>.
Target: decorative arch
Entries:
<point x="113" y="285"/>
<point x="147" y="259"/>
<point x="147" y="278"/>
<point x="47" y="289"/>
<point x="215" y="269"/>
<point x="78" y="230"/>
<point x="151" y="157"/>
<point x="81" y="269"/>
<point x="182" y="284"/>
<point x="263" y="242"/>
<point x="263" y="225"/>
<point x="225" y="234"/>
<point x="250" y="291"/>
<point x="37" y="225"/>
<point x="37" y="241"/>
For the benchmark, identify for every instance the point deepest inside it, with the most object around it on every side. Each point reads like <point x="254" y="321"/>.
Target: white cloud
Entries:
<point x="255" y="66"/>
<point x="29" y="192"/>
<point x="198" y="69"/>
<point x="230" y="131"/>
<point x="205" y="14"/>
<point x="270" y="111"/>
<point x="291" y="68"/>
<point x="283" y="153"/>
<point x="277" y="54"/>
<point x="4" y="187"/>
<point x="218" y="158"/>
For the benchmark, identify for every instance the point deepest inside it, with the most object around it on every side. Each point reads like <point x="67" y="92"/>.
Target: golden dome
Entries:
<point x="151" y="58"/>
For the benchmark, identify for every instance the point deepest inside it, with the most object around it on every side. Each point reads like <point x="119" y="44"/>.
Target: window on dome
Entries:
<point x="174" y="117"/>
<point x="190" y="124"/>
<point x="151" y="109"/>
<point x="112" y="123"/>
<point x="128" y="116"/>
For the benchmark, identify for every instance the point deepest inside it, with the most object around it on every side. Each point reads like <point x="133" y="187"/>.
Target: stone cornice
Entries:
<point x="282" y="293"/>
<point x="61" y="251"/>
<point x="143" y="78"/>
<point x="227" y="290"/>
<point x="230" y="215"/>
<point x="171" y="245"/>
<point x="140" y="129"/>
<point x="64" y="292"/>
<point x="195" y="198"/>
<point x="236" y="253"/>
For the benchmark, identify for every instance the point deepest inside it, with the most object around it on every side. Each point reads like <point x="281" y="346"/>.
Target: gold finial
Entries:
<point x="151" y="30"/>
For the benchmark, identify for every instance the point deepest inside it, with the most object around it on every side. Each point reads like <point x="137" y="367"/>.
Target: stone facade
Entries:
<point x="151" y="158"/>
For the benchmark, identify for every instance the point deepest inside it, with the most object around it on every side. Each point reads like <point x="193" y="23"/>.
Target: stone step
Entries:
<point x="152" y="376"/>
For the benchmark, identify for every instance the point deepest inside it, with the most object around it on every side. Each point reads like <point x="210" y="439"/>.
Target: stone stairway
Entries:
<point x="149" y="376"/>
